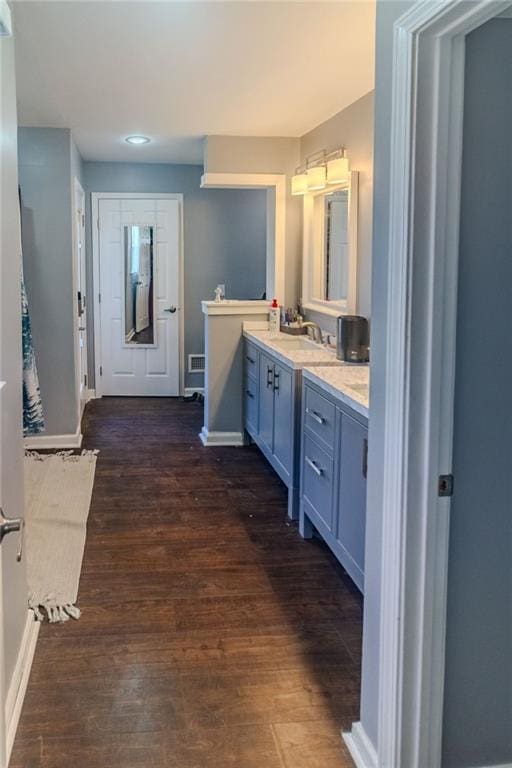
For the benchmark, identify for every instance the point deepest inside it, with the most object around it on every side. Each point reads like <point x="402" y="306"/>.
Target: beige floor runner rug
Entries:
<point x="58" y="490"/>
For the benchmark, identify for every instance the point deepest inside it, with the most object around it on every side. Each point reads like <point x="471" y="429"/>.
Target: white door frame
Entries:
<point x="275" y="185"/>
<point x="426" y="152"/>
<point x="95" y="200"/>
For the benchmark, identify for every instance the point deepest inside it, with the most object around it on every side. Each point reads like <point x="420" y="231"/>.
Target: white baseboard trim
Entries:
<point x="41" y="442"/>
<point x="18" y="686"/>
<point x="91" y="395"/>
<point x="221" y="438"/>
<point x="191" y="390"/>
<point x="501" y="765"/>
<point x="360" y="747"/>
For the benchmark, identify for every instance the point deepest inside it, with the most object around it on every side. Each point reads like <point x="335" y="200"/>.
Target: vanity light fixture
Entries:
<point x="338" y="169"/>
<point x="137" y="140"/>
<point x="320" y="169"/>
<point x="299" y="183"/>
<point x="316" y="178"/>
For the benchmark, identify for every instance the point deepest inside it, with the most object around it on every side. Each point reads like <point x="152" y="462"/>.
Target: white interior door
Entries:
<point x="129" y="367"/>
<point x="81" y="298"/>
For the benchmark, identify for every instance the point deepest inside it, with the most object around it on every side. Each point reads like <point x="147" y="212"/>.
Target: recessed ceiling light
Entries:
<point x="137" y="140"/>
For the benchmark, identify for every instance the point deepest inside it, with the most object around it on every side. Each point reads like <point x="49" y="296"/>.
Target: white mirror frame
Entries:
<point x="313" y="243"/>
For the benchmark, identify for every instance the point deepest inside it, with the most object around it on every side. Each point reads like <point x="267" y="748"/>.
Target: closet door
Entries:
<point x="139" y="247"/>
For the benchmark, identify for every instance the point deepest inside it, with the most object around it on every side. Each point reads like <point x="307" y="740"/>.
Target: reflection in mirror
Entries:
<point x="138" y="285"/>
<point x="336" y="246"/>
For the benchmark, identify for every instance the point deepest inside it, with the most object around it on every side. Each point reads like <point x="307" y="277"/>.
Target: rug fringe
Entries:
<point x="54" y="611"/>
<point x="64" y="455"/>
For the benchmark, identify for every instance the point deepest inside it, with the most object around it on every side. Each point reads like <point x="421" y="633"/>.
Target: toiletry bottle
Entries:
<point x="274" y="316"/>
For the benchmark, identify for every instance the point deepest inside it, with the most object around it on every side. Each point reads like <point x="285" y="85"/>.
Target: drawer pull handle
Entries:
<point x="314" y="466"/>
<point x="316" y="416"/>
<point x="276" y="381"/>
<point x="269" y="376"/>
<point x="251" y="360"/>
<point x="249" y="394"/>
<point x="365" y="458"/>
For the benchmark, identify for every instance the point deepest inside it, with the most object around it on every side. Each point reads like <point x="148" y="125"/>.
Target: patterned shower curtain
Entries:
<point x="33" y="419"/>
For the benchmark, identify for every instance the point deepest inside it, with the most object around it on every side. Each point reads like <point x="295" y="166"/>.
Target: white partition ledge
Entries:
<point x="234" y="307"/>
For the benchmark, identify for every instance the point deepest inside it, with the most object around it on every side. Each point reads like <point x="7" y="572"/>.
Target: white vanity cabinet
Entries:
<point x="333" y="476"/>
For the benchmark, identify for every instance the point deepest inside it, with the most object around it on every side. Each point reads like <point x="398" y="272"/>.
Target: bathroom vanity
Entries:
<point x="272" y="387"/>
<point x="334" y="461"/>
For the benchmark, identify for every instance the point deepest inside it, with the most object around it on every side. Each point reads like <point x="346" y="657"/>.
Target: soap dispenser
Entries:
<point x="274" y="316"/>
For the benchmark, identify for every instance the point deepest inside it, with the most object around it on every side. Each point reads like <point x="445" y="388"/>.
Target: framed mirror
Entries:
<point x="330" y="249"/>
<point x="139" y="312"/>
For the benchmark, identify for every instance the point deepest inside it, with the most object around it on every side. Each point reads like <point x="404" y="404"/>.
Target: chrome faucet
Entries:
<point x="317" y="331"/>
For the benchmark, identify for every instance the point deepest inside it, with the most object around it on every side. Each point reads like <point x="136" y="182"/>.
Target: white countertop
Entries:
<point x="293" y="358"/>
<point x="349" y="383"/>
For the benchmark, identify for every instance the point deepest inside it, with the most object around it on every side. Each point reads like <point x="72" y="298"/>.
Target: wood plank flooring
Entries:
<point x="212" y="635"/>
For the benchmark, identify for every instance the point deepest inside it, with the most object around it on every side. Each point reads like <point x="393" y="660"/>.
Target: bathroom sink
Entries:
<point x="294" y="344"/>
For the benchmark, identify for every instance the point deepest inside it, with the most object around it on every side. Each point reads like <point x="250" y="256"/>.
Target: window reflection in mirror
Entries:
<point x="335" y="283"/>
<point x="138" y="285"/>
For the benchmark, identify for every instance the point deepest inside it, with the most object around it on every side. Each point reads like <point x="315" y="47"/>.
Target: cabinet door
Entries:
<point x="266" y="402"/>
<point x="351" y="523"/>
<point x="251" y="405"/>
<point x="283" y="418"/>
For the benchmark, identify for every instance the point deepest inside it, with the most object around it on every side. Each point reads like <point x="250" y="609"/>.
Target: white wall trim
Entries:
<point x="217" y="439"/>
<point x="360" y="747"/>
<point x="18" y="686"/>
<point x="42" y="442"/>
<point x="96" y="288"/>
<point x="192" y="390"/>
<point x="275" y="184"/>
<point x="91" y="395"/>
<point x="501" y="765"/>
<point x="235" y="307"/>
<point x="426" y="150"/>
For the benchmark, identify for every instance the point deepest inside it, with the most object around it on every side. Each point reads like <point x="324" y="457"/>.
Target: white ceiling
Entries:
<point x="176" y="71"/>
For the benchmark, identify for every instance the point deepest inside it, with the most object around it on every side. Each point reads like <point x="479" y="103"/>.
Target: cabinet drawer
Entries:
<point x="251" y="404"/>
<point x="320" y="417"/>
<point x="250" y="360"/>
<point x="317" y="480"/>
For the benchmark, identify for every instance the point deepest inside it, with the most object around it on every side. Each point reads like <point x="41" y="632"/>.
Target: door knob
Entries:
<point x="12" y="525"/>
<point x="171" y="310"/>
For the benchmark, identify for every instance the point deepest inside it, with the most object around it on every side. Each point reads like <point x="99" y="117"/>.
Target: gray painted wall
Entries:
<point x="478" y="683"/>
<point x="387" y="12"/>
<point x="353" y="129"/>
<point x="45" y="168"/>
<point x="14" y="580"/>
<point x="224" y="237"/>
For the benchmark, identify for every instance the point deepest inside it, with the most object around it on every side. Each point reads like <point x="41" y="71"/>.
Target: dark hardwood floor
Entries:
<point x="212" y="635"/>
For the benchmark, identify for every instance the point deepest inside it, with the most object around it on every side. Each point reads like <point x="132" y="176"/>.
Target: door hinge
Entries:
<point x="85" y="379"/>
<point x="99" y="298"/>
<point x="83" y="220"/>
<point x="445" y="485"/>
<point x="101" y="370"/>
